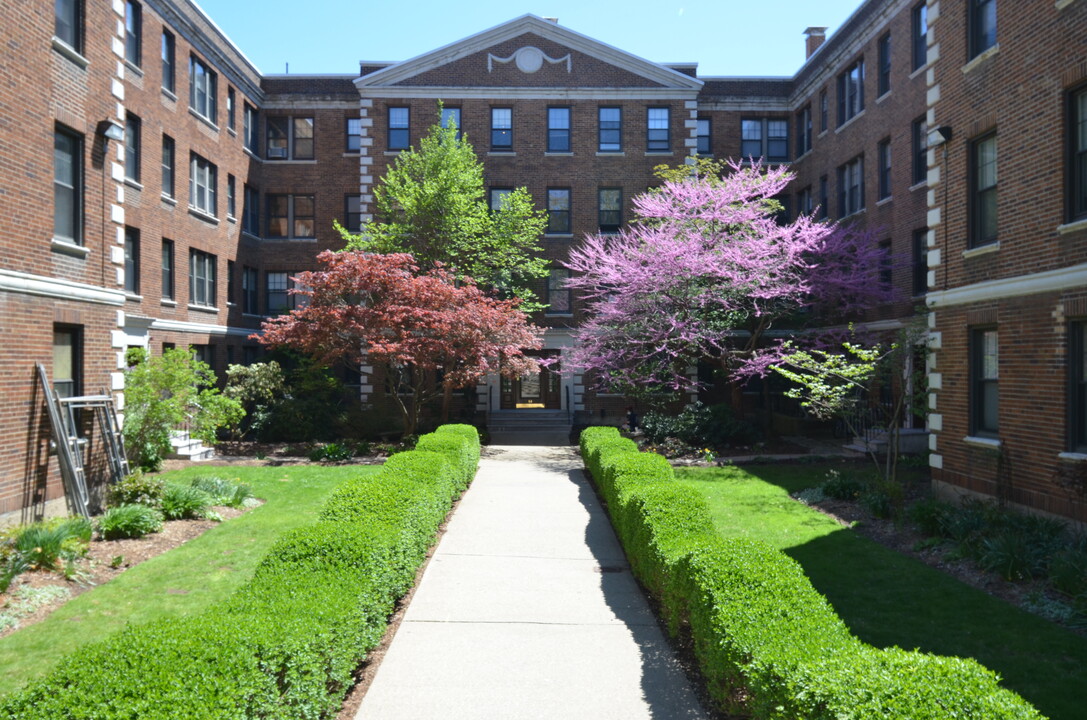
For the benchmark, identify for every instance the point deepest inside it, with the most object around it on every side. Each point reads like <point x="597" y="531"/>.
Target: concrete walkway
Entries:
<point x="528" y="610"/>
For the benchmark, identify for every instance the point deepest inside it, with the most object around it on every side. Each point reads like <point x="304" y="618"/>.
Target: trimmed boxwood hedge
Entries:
<point x="286" y="643"/>
<point x="769" y="645"/>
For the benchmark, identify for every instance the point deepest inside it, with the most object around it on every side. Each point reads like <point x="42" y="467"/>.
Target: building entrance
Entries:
<point x="534" y="391"/>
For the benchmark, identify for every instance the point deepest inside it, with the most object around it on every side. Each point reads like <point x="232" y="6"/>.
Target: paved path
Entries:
<point x="528" y="610"/>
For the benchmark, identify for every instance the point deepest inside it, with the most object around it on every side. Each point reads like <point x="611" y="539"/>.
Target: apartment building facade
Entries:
<point x="188" y="227"/>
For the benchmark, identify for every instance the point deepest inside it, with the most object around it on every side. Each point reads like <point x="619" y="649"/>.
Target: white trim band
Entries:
<point x="27" y="284"/>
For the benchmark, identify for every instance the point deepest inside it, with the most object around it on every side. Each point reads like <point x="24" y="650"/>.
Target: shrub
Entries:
<point x="222" y="491"/>
<point x="463" y="452"/>
<point x="931" y="516"/>
<point x="331" y="452"/>
<point x="1011" y="553"/>
<point x="129" y="521"/>
<point x="48" y="545"/>
<point x="842" y="486"/>
<point x="1068" y="571"/>
<point x="184" y="502"/>
<point x="701" y="426"/>
<point x="137" y="488"/>
<point x="287" y="643"/>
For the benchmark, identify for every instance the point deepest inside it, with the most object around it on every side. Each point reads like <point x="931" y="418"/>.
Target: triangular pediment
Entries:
<point x="529" y="52"/>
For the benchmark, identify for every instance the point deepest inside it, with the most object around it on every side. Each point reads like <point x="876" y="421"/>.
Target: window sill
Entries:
<point x="206" y="120"/>
<point x="201" y="215"/>
<point x="659" y="153"/>
<point x="558" y="236"/>
<point x="134" y="69"/>
<point x="982" y="442"/>
<point x="203" y="308"/>
<point x="983" y="250"/>
<point x="232" y="219"/>
<point x="884" y="201"/>
<point x="355" y="154"/>
<point x="806" y="153"/>
<point x="249" y="235"/>
<point x="919" y="186"/>
<point x="1072" y="457"/>
<point x="1072" y="227"/>
<point x="1062" y="4"/>
<point x="68" y="247"/>
<point x="918" y="71"/>
<point x="253" y="155"/>
<point x="883" y="97"/>
<point x="166" y="302"/>
<point x="501" y="153"/>
<point x="558" y="154"/>
<point x="133" y="297"/>
<point x="822" y="133"/>
<point x="610" y="153"/>
<point x="232" y="131"/>
<point x="169" y="94"/>
<point x="134" y="184"/>
<point x="285" y="161"/>
<point x="168" y="199"/>
<point x="559" y="314"/>
<point x="849" y="122"/>
<point x="290" y="239"/>
<point x="70" y="52"/>
<point x="394" y="153"/>
<point x="256" y="316"/>
<point x="981" y="58"/>
<point x="853" y="214"/>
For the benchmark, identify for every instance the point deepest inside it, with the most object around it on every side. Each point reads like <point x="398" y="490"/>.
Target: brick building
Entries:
<point x="226" y="183"/>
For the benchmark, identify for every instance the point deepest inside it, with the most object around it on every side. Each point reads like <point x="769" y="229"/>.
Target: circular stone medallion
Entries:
<point x="529" y="59"/>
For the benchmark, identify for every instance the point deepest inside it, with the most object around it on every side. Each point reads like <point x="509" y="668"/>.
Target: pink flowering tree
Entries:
<point x="705" y="273"/>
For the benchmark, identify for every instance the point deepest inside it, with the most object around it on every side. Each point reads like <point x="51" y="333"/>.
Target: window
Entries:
<point x="249" y="127"/>
<point x="920" y="261"/>
<point x="919" y="34"/>
<point x="658" y="132"/>
<point x="202" y="83"/>
<point x="1077" y="385"/>
<point x="230" y="109"/>
<point x="201" y="279"/>
<point x="983" y="191"/>
<point x="230" y="282"/>
<point x="67" y="360"/>
<point x="501" y="129"/>
<point x="804" y="201"/>
<point x="920" y="150"/>
<point x="353" y="213"/>
<point x="766" y="138"/>
<point x="1077" y="161"/>
<point x="702" y="133"/>
<point x="279" y="300"/>
<point x="167" y="166"/>
<point x="610" y="129"/>
<point x="496" y="196"/>
<point x="558" y="211"/>
<point x="985" y="375"/>
<point x="132" y="261"/>
<point x="803" y="130"/>
<point x="290" y="138"/>
<point x="169" y="72"/>
<point x="133" y="32"/>
<point x="251" y="211"/>
<point x="884" y="79"/>
<point x="354" y="135"/>
<point x="884" y="169"/>
<point x="231" y="200"/>
<point x="291" y="216"/>
<point x="451" y="117"/>
<point x="611" y="209"/>
<point x="399" y="128"/>
<point x="132" y="147"/>
<point x="886" y="268"/>
<point x="823" y="121"/>
<point x="851" y="92"/>
<point x="202" y="184"/>
<point x="558" y="129"/>
<point x="167" y="269"/>
<point x="69" y="26"/>
<point x="68" y="186"/>
<point x="250" y="291"/>
<point x="851" y="187"/>
<point x="558" y="295"/>
<point x="824" y="198"/>
<point x="982" y="18"/>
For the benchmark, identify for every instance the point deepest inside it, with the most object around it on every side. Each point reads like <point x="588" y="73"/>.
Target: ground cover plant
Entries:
<point x="768" y="643"/>
<point x="184" y="581"/>
<point x="286" y="641"/>
<point x="889" y="599"/>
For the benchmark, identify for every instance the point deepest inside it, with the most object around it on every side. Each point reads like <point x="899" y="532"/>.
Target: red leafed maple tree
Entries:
<point x="365" y="308"/>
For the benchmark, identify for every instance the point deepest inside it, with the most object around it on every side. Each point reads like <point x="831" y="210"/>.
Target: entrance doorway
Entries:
<point x="534" y="391"/>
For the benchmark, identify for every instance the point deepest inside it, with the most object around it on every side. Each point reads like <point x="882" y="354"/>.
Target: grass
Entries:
<point x="890" y="599"/>
<point x="185" y="580"/>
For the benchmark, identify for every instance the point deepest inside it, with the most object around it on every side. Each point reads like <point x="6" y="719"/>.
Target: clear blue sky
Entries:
<point x="725" y="37"/>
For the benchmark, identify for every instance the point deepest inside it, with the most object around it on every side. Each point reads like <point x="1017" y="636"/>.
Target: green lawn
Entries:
<point x="183" y="581"/>
<point x="890" y="599"/>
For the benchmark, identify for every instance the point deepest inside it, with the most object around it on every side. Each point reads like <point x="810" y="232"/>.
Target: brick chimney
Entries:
<point x="552" y="20"/>
<point x="816" y="36"/>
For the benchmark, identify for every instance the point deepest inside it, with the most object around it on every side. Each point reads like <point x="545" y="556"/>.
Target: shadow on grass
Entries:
<point x="887" y="598"/>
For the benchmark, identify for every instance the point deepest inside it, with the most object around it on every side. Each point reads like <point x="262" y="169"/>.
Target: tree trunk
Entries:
<point x="447" y="400"/>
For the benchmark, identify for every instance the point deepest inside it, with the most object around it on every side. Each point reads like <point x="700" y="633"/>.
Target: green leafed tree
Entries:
<point x="432" y="203"/>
